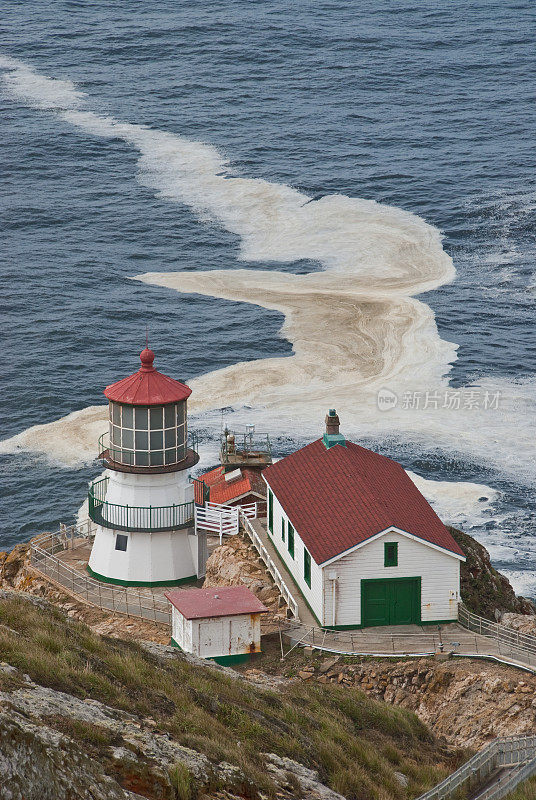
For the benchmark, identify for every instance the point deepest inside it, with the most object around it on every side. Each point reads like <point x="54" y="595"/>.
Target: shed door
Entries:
<point x="395" y="601"/>
<point x="211" y="638"/>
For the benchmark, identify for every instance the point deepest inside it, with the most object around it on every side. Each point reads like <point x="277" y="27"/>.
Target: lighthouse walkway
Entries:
<point x="62" y="559"/>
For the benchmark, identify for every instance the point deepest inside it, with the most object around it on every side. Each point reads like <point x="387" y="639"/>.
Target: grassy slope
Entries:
<point x="356" y="743"/>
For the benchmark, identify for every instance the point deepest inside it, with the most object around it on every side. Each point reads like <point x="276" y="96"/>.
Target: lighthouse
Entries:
<point x="144" y="505"/>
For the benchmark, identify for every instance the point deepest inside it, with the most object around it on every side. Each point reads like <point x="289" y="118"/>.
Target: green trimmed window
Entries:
<point x="390" y="554"/>
<point x="290" y="540"/>
<point x="283" y="528"/>
<point x="270" y="511"/>
<point x="307" y="567"/>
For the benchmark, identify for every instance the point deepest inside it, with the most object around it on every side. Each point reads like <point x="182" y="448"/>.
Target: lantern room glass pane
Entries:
<point x="141" y="417"/>
<point x="171" y="438"/>
<point x="156" y="440"/>
<point x="115" y="413"/>
<point x="142" y="459"/>
<point x="127" y="414"/>
<point x="128" y="438"/>
<point x="157" y="457"/>
<point x="181" y="413"/>
<point x="116" y="435"/>
<point x="170" y="416"/>
<point x="181" y="435"/>
<point x="142" y="440"/>
<point x="171" y="456"/>
<point x="157" y="417"/>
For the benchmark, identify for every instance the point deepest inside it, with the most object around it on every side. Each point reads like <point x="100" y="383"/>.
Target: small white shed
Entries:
<point x="222" y="623"/>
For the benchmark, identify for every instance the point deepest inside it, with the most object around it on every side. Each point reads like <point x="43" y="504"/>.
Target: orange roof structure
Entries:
<point x="222" y="490"/>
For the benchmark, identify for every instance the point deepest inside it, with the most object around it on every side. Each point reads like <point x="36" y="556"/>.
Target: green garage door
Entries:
<point x="394" y="601"/>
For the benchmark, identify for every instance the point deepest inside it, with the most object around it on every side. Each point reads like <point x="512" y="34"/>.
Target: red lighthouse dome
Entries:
<point x="147" y="386"/>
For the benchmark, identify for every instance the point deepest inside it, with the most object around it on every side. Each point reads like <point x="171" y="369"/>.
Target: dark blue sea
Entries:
<point x="310" y="156"/>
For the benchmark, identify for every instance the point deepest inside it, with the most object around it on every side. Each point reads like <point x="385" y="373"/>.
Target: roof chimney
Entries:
<point x="332" y="435"/>
<point x="332" y="422"/>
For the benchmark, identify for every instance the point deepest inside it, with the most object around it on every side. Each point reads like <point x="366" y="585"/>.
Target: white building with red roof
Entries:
<point x="362" y="544"/>
<point x="144" y="505"/>
<point x="222" y="623"/>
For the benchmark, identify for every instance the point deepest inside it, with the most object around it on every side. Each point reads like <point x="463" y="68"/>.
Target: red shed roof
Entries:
<point x="147" y="387"/>
<point x="339" y="498"/>
<point x="225" y="491"/>
<point x="219" y="601"/>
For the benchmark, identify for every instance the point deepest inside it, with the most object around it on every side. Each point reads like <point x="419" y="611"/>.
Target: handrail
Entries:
<point x="501" y="752"/>
<point x="504" y="788"/>
<point x="130" y="601"/>
<point x="511" y="641"/>
<point x="136" y="518"/>
<point x="270" y="565"/>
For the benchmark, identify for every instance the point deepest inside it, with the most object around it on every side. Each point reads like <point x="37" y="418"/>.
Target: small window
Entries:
<point x="115" y="413"/>
<point x="142" y="440"/>
<point x="156" y="440"/>
<point x="307" y="567"/>
<point x="283" y="528"/>
<point x="141" y="418"/>
<point x="121" y="542"/>
<point x="290" y="540"/>
<point x="270" y="512"/>
<point x="390" y="554"/>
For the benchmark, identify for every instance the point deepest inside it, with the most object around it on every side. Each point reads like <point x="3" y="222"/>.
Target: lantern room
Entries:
<point x="147" y="422"/>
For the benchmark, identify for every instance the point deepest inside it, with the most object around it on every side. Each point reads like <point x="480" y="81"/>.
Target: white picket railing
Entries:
<point x="270" y="565"/>
<point x="217" y="519"/>
<point x="250" y="510"/>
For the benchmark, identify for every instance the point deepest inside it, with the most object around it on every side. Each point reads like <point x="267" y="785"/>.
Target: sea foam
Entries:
<point x="356" y="326"/>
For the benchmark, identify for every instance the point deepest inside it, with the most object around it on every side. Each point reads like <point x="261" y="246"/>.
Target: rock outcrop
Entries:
<point x="466" y="703"/>
<point x="484" y="590"/>
<point x="237" y="562"/>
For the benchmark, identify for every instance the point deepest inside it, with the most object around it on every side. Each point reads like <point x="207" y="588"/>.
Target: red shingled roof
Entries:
<point x="225" y="491"/>
<point x="219" y="601"/>
<point x="340" y="497"/>
<point x="147" y="387"/>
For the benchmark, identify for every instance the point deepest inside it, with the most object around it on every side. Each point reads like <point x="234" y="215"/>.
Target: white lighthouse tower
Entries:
<point x="144" y="506"/>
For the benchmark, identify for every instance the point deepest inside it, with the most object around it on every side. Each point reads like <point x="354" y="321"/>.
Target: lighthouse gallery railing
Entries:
<point x="136" y="518"/>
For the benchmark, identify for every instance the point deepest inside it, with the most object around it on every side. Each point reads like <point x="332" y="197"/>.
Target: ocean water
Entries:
<point x="308" y="205"/>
